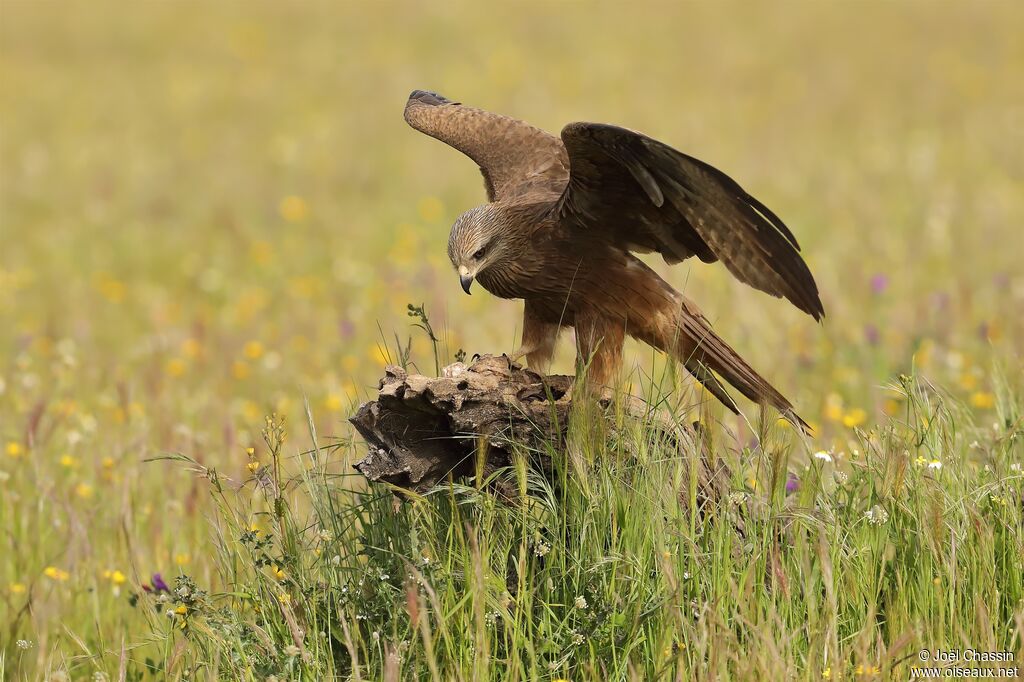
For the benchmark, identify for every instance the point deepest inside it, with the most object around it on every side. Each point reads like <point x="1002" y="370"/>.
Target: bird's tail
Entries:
<point x="705" y="354"/>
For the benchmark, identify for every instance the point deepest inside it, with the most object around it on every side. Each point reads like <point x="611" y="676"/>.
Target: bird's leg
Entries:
<point x="538" y="341"/>
<point x="599" y="352"/>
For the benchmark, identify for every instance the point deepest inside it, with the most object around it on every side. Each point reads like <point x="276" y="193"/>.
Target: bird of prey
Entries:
<point x="564" y="219"/>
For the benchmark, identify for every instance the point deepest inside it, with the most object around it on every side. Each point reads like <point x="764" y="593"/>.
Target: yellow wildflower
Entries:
<point x="854" y="417"/>
<point x="175" y="367"/>
<point x="349" y="363"/>
<point x="826" y="673"/>
<point x="68" y="462"/>
<point x="84" y="490"/>
<point x="378" y="354"/>
<point x="182" y="559"/>
<point x="431" y="209"/>
<point x="293" y="208"/>
<point x="112" y="289"/>
<point x="239" y="369"/>
<point x="251" y="410"/>
<point x="333" y="402"/>
<point x="54" y="573"/>
<point x="968" y="381"/>
<point x="284" y="598"/>
<point x="891" y="407"/>
<point x="277" y="572"/>
<point x="253" y="350"/>
<point x="16" y="588"/>
<point x="983" y="400"/>
<point x="181" y="610"/>
<point x="108" y="462"/>
<point x="117" y="577"/>
<point x="14" y="449"/>
<point x="191" y="348"/>
<point x="833" y="407"/>
<point x="261" y="252"/>
<point x="253" y="466"/>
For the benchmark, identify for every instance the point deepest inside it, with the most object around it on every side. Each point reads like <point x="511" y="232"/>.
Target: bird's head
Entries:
<point x="476" y="242"/>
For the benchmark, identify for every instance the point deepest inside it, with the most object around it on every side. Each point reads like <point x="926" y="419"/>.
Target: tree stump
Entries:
<point x="422" y="430"/>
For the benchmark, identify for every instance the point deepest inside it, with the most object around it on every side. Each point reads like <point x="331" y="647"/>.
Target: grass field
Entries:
<point x="214" y="214"/>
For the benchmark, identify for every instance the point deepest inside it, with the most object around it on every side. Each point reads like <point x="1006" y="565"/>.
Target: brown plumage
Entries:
<point x="565" y="217"/>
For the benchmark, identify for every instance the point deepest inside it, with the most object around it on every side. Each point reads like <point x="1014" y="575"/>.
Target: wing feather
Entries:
<point x="645" y="195"/>
<point x="514" y="157"/>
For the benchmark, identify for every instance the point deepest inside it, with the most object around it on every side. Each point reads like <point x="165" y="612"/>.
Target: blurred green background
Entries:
<point x="211" y="212"/>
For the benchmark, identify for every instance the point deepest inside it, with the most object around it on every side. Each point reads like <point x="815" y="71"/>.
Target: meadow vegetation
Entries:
<point x="213" y="219"/>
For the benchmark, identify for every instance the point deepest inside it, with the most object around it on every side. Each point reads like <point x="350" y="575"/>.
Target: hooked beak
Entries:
<point x="465" y="278"/>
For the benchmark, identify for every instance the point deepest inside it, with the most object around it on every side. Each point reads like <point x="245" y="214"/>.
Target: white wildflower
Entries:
<point x="877" y="515"/>
<point x="24" y="644"/>
<point x="291" y="651"/>
<point x="823" y="456"/>
<point x="581" y="602"/>
<point x="737" y="498"/>
<point x="935" y="464"/>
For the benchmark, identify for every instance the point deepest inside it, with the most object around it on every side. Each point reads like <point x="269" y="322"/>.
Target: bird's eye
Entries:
<point x="479" y="253"/>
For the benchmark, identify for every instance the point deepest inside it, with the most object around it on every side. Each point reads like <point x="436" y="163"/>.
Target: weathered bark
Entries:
<point x="421" y="430"/>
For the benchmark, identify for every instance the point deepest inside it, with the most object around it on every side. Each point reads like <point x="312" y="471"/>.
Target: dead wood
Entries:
<point x="422" y="430"/>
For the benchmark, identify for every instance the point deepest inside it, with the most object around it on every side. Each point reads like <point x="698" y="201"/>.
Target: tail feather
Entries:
<point x="702" y="351"/>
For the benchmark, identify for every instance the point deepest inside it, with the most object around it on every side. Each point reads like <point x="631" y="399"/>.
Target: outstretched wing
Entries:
<point x="646" y="196"/>
<point x="515" y="158"/>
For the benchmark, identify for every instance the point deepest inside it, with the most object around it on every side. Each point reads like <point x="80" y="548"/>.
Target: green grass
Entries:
<point x="208" y="215"/>
<point x="605" y="569"/>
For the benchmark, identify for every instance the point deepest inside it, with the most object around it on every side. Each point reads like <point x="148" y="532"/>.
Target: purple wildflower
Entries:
<point x="792" y="484"/>
<point x="158" y="583"/>
<point x="871" y="334"/>
<point x="879" y="283"/>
